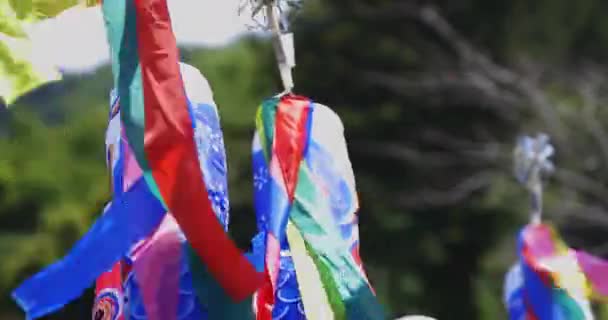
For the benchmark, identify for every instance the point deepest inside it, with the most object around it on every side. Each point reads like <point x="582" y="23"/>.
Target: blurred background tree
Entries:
<point x="432" y="94"/>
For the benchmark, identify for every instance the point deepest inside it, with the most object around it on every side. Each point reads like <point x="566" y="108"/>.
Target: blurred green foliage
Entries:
<point x="19" y="75"/>
<point x="427" y="252"/>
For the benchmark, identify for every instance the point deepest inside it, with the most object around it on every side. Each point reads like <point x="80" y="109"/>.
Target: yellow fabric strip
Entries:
<point x="314" y="298"/>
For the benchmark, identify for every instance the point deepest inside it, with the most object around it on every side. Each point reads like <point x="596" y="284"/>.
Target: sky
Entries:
<point x="75" y="41"/>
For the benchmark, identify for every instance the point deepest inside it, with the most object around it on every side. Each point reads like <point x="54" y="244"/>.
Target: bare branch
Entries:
<point x="477" y="63"/>
<point x="463" y="190"/>
<point x="463" y="89"/>
<point x="483" y="156"/>
<point x="502" y="76"/>
<point x="589" y="92"/>
<point x="478" y="77"/>
<point x="491" y="148"/>
<point x="405" y="154"/>
<point x="582" y="183"/>
<point x="593" y="215"/>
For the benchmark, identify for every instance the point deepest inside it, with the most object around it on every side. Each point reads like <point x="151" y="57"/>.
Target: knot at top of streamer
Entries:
<point x="531" y="158"/>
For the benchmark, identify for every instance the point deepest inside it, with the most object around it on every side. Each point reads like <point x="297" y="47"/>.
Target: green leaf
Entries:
<point x="52" y="8"/>
<point x="23" y="8"/>
<point x="17" y="74"/>
<point x="9" y="23"/>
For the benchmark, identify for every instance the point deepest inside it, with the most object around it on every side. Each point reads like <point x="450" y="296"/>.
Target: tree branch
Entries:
<point x="473" y="61"/>
<point x="582" y="183"/>
<point x="463" y="89"/>
<point x="433" y="197"/>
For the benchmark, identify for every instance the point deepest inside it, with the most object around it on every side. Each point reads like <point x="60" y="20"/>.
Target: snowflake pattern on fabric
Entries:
<point x="289" y="304"/>
<point x="212" y="158"/>
<point x="260" y="178"/>
<point x="261" y="181"/>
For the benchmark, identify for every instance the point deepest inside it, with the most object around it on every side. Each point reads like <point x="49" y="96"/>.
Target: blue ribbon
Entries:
<point x="130" y="218"/>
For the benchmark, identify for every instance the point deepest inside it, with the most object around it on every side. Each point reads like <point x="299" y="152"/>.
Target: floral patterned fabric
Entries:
<point x="288" y="303"/>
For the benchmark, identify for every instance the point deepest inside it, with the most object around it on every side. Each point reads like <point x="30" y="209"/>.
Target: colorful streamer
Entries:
<point x="158" y="125"/>
<point x="166" y="255"/>
<point x="156" y="277"/>
<point x="160" y="282"/>
<point x="306" y="207"/>
<point x="552" y="281"/>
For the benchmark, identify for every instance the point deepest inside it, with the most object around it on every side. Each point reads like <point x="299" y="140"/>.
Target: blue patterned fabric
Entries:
<point x="288" y="304"/>
<point x="212" y="158"/>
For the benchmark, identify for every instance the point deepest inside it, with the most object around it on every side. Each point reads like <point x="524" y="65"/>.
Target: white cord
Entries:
<point x="283" y="47"/>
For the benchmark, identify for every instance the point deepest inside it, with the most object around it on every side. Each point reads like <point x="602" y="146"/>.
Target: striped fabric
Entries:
<point x="306" y="207"/>
<point x="159" y="284"/>
<point x="159" y="127"/>
<point x="552" y="281"/>
<point x="155" y="279"/>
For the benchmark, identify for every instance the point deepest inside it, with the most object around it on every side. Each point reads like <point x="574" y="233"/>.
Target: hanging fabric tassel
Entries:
<point x="550" y="280"/>
<point x="157" y="279"/>
<point x="306" y="205"/>
<point x="154" y="105"/>
<point x="547" y="283"/>
<point x="161" y="285"/>
<point x="166" y="255"/>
